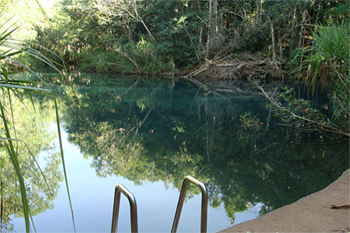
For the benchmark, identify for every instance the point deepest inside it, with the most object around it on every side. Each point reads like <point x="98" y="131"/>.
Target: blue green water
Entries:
<point x="149" y="134"/>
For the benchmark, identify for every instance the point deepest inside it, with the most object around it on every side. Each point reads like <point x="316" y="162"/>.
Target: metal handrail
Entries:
<point x="204" y="207"/>
<point x="133" y="208"/>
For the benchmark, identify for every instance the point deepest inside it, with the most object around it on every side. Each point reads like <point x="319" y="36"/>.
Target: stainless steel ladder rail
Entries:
<point x="204" y="207"/>
<point x="133" y="208"/>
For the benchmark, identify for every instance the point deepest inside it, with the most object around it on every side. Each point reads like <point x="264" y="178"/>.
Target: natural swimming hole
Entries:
<point x="149" y="134"/>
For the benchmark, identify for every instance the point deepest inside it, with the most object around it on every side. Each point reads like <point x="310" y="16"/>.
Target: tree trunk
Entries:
<point x="213" y="27"/>
<point x="209" y="26"/>
<point x="302" y="30"/>
<point x="143" y="23"/>
<point x="280" y="45"/>
<point x="258" y="11"/>
<point x="201" y="30"/>
<point x="216" y="18"/>
<point x="273" y="43"/>
<point x="128" y="32"/>
<point x="293" y="25"/>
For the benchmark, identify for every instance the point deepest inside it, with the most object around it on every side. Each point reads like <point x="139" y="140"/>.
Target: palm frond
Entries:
<point x="9" y="50"/>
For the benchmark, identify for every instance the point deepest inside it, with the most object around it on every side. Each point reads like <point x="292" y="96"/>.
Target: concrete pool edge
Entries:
<point x="309" y="214"/>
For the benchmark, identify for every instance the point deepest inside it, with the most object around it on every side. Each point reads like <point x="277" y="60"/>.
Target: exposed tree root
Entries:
<point x="226" y="75"/>
<point x="246" y="65"/>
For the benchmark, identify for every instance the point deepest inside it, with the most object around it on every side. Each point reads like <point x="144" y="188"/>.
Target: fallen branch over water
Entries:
<point x="318" y="125"/>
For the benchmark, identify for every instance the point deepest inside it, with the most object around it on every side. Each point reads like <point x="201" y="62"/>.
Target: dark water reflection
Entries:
<point x="156" y="131"/>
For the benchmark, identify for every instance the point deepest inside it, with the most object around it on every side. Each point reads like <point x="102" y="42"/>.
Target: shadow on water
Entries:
<point x="155" y="130"/>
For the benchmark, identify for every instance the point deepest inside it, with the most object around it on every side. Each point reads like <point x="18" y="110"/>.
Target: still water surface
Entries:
<point x="149" y="134"/>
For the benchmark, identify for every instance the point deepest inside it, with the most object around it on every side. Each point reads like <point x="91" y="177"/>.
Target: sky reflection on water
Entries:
<point x="92" y="199"/>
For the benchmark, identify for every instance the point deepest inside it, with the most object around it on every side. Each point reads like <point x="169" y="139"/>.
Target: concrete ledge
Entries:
<point x="309" y="214"/>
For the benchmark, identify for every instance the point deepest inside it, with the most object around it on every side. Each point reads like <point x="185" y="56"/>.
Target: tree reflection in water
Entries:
<point x="151" y="130"/>
<point x="33" y="127"/>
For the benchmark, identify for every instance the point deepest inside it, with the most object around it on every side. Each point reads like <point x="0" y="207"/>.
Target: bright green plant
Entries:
<point x="13" y="87"/>
<point x="330" y="54"/>
<point x="295" y="57"/>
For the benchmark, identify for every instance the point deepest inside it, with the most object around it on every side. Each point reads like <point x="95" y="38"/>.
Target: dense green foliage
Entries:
<point x="155" y="36"/>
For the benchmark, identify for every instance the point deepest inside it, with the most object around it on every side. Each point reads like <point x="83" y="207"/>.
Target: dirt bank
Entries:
<point x="323" y="211"/>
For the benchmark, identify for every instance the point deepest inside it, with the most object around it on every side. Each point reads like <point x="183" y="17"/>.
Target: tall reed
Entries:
<point x="15" y="87"/>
